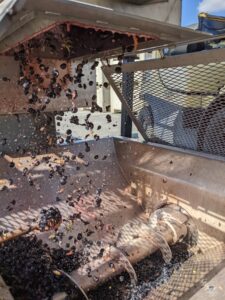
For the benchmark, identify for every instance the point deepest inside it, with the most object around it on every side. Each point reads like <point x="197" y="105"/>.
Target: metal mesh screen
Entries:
<point x="178" y="101"/>
<point x="193" y="275"/>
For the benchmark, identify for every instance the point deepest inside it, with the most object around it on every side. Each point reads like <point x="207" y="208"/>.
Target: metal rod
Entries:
<point x="193" y="59"/>
<point x="173" y="226"/>
<point x="174" y="44"/>
<point x="127" y="87"/>
<point x="107" y="72"/>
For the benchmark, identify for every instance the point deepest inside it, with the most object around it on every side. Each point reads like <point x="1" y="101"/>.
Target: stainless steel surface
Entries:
<point x="214" y="289"/>
<point x="13" y="100"/>
<point x="45" y="190"/>
<point x="135" y="179"/>
<point x="20" y="132"/>
<point x="159" y="174"/>
<point x="137" y="240"/>
<point x="94" y="16"/>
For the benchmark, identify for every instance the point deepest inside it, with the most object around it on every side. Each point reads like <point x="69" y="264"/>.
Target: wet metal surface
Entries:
<point x="136" y="179"/>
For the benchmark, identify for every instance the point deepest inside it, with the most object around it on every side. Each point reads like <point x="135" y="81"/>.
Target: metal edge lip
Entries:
<point x="172" y="148"/>
<point x="115" y="19"/>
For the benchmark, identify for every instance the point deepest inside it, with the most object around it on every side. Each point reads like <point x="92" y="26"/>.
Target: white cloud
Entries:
<point x="211" y="6"/>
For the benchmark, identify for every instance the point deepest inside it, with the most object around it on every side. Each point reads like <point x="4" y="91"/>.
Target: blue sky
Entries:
<point x="190" y="9"/>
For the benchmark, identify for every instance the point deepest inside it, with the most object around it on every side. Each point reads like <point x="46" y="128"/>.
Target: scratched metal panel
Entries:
<point x="13" y="100"/>
<point x="25" y="132"/>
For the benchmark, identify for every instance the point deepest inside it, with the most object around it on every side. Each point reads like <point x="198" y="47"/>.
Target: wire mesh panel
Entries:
<point x="177" y="100"/>
<point x="193" y="275"/>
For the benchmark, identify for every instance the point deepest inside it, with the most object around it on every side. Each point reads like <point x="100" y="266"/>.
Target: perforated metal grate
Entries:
<point x="194" y="274"/>
<point x="177" y="100"/>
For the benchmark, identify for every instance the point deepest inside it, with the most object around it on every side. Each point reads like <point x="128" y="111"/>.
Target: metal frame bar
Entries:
<point x="123" y="101"/>
<point x="172" y="148"/>
<point x="196" y="58"/>
<point x="202" y="57"/>
<point x="172" y="45"/>
<point x="105" y="18"/>
<point x="128" y="80"/>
